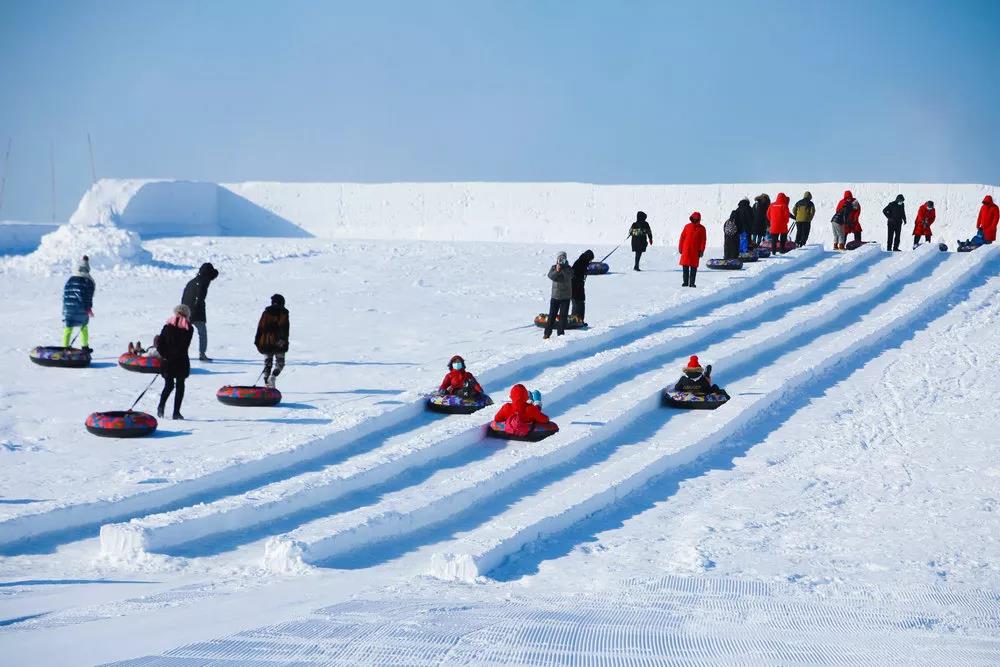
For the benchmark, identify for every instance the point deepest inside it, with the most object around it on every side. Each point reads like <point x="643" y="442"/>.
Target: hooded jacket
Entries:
<point x="272" y="330"/>
<point x="851" y="217"/>
<point x="760" y="206"/>
<point x="526" y="413"/>
<point x="196" y="291"/>
<point x="989" y="214"/>
<point x="78" y="299"/>
<point x="580" y="274"/>
<point x="743" y="216"/>
<point x="778" y="214"/>
<point x="640" y="232"/>
<point x="691" y="244"/>
<point x="804" y="209"/>
<point x="925" y="218"/>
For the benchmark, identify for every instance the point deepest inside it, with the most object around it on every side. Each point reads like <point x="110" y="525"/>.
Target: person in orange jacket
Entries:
<point x="459" y="380"/>
<point x="520" y="415"/>
<point x="989" y="214"/>
<point x="922" y="225"/>
<point x="778" y="216"/>
<point x="691" y="246"/>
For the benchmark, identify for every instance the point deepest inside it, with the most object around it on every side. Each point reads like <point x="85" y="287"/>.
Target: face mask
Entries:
<point x="458" y="365"/>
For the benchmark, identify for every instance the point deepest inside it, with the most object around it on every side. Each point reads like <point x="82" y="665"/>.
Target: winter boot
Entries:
<point x="177" y="415"/>
<point x="269" y="381"/>
<point x="159" y="409"/>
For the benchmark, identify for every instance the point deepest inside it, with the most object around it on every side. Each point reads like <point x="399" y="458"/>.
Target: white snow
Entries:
<point x="841" y="509"/>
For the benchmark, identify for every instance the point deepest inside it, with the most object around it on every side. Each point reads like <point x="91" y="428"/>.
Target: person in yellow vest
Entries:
<point x="803" y="212"/>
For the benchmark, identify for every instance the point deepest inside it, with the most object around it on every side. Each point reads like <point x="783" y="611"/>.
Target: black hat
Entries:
<point x="900" y="198"/>
<point x="277" y="300"/>
<point x="930" y="204"/>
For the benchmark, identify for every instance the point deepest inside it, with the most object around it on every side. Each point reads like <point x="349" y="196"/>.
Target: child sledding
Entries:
<point x="522" y="418"/>
<point x="459" y="392"/>
<point x="695" y="390"/>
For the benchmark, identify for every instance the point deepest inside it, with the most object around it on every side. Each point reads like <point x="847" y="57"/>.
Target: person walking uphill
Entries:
<point x="561" y="275"/>
<point x="989" y="213"/>
<point x="272" y="338"/>
<point x="194" y="296"/>
<point x="922" y="225"/>
<point x="640" y="233"/>
<point x="778" y="216"/>
<point x="803" y="212"/>
<point x="579" y="278"/>
<point x="172" y="344"/>
<point x="691" y="246"/>
<point x="895" y="218"/>
<point x="78" y="304"/>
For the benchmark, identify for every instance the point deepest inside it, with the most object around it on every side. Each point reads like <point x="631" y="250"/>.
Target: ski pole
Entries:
<point x="144" y="392"/>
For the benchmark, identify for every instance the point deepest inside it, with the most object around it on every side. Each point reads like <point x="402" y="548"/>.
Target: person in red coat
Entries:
<point x="691" y="246"/>
<point x="922" y="225"/>
<point x="519" y="415"/>
<point x="989" y="214"/>
<point x="849" y="210"/>
<point x="459" y="380"/>
<point x="778" y="216"/>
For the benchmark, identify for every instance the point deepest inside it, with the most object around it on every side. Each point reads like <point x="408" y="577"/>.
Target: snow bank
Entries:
<point x="20" y="237"/>
<point x="526" y="212"/>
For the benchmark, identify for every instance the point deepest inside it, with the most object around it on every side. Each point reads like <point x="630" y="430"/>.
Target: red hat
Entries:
<point x="695" y="217"/>
<point x="693" y="364"/>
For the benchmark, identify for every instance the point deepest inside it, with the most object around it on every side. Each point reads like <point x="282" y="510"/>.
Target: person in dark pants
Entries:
<point x="691" y="246"/>
<point x="579" y="278"/>
<point x="731" y="238"/>
<point x="640" y="233"/>
<point x="561" y="275"/>
<point x="172" y="344"/>
<point x="922" y="224"/>
<point x="895" y="218"/>
<point x="760" y="223"/>
<point x="778" y="216"/>
<point x="194" y="298"/>
<point x="803" y="212"/>
<point x="271" y="338"/>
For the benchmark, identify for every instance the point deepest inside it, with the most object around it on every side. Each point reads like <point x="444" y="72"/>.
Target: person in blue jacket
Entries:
<point x="78" y="304"/>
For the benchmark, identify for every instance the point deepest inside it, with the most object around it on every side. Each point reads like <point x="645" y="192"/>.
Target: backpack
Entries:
<point x="730" y="229"/>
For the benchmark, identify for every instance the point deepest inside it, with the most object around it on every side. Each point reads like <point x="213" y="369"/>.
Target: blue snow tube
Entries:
<point x="725" y="264"/>
<point x="597" y="269"/>
<point x="453" y="404"/>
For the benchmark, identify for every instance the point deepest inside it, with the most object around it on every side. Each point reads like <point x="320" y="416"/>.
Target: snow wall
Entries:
<point x="523" y="212"/>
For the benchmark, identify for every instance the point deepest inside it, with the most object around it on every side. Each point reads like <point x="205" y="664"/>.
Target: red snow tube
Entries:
<point x="248" y="396"/>
<point x="140" y="363"/>
<point x="118" y="424"/>
<point x="538" y="431"/>
<point x="573" y="322"/>
<point x="60" y="357"/>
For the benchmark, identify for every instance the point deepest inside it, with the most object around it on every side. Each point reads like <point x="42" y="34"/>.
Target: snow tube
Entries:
<point x="572" y="323"/>
<point x="538" y="431"/>
<point x="62" y="357"/>
<point x="118" y="424"/>
<point x="788" y="245"/>
<point x="140" y="363"/>
<point x="749" y="256"/>
<point x="854" y="245"/>
<point x="688" y="401"/>
<point x="248" y="396"/>
<point x="451" y="404"/>
<point x="725" y="264"/>
<point x="597" y="269"/>
<point x="762" y="253"/>
<point x="965" y="246"/>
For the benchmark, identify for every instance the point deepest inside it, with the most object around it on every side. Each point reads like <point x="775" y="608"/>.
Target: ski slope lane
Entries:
<point x="372" y="422"/>
<point x="163" y="532"/>
<point x="598" y="417"/>
<point x="691" y="434"/>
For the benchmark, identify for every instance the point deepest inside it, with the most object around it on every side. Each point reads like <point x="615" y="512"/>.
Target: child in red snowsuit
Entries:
<point x="519" y="415"/>
<point x="458" y="380"/>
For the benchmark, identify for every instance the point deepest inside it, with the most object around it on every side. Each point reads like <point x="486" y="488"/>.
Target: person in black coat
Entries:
<point x="172" y="345"/>
<point x="895" y="218"/>
<point x="194" y="296"/>
<point x="640" y="233"/>
<point x="579" y="278"/>
<point x="760" y="222"/>
<point x="731" y="237"/>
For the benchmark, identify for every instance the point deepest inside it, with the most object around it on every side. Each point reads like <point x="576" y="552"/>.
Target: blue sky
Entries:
<point x="608" y="92"/>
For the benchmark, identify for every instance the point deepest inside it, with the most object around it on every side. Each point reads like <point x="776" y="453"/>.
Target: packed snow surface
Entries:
<point x="841" y="510"/>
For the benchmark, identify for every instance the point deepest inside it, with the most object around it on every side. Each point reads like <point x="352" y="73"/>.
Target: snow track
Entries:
<point x="675" y="620"/>
<point x="442" y="438"/>
<point x="601" y="415"/>
<point x="369" y="428"/>
<point x="689" y="435"/>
